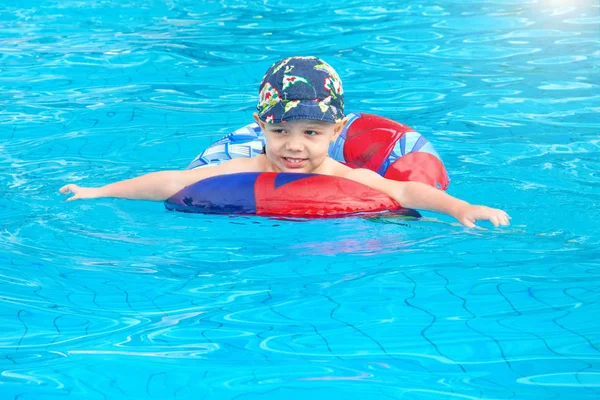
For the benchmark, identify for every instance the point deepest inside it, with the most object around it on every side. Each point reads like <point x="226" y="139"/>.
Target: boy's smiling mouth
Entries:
<point x="294" y="162"/>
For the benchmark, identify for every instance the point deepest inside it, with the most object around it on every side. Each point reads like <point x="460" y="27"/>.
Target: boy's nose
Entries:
<point x="294" y="145"/>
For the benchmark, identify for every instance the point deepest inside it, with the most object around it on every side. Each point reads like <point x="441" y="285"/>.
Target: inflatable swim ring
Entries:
<point x="389" y="148"/>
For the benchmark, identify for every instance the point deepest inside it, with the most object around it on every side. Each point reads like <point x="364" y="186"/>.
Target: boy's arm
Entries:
<point x="156" y="185"/>
<point x="421" y="196"/>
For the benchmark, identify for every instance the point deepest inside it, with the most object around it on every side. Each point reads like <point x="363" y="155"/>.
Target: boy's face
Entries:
<point x="299" y="145"/>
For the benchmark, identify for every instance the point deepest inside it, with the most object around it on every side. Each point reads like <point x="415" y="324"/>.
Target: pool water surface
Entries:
<point x="110" y="298"/>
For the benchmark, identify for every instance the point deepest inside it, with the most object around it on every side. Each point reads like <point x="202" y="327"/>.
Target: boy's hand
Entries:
<point x="469" y="214"/>
<point x="79" y="192"/>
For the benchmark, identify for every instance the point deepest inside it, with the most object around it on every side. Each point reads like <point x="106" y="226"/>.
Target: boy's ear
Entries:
<point x="339" y="127"/>
<point x="258" y="121"/>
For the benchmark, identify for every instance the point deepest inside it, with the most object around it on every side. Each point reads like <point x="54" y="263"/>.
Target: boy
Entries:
<point x="301" y="111"/>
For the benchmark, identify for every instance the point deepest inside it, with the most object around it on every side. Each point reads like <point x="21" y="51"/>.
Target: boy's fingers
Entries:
<point x="500" y="220"/>
<point x="75" y="197"/>
<point x="496" y="217"/>
<point x="468" y="223"/>
<point x="67" y="188"/>
<point x="504" y="219"/>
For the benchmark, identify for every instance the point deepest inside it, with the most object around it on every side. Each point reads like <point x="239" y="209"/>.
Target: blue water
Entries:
<point x="115" y="299"/>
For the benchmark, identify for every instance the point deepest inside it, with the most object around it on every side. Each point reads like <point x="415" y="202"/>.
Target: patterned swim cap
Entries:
<point x="301" y="88"/>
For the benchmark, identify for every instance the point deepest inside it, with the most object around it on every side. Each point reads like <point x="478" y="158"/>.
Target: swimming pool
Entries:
<point x="121" y="299"/>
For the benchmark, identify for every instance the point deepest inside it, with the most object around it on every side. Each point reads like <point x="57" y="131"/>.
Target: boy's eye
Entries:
<point x="278" y="130"/>
<point x="311" y="133"/>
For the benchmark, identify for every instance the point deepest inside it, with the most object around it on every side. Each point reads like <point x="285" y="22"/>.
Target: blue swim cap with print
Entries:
<point x="301" y="88"/>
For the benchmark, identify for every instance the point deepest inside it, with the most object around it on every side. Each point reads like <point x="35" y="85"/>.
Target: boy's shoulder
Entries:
<point x="336" y="168"/>
<point x="360" y="173"/>
<point x="366" y="177"/>
<point x="242" y="164"/>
